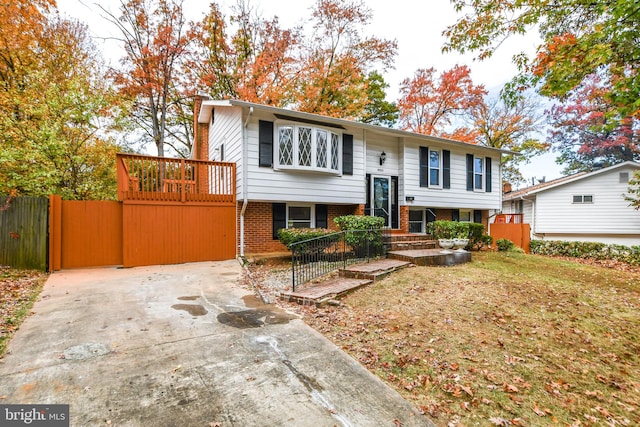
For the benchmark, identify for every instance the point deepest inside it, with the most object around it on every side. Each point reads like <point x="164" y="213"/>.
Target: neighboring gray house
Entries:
<point x="581" y="207"/>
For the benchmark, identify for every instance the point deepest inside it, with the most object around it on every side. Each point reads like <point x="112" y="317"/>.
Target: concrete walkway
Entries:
<point x="183" y="345"/>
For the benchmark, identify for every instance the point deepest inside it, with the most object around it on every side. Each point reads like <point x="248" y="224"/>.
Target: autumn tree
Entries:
<point x="579" y="39"/>
<point x="586" y="133"/>
<point x="429" y="104"/>
<point x="378" y="110"/>
<point x="257" y="63"/>
<point x="337" y="60"/>
<point x="510" y="126"/>
<point x="52" y="98"/>
<point x="155" y="37"/>
<point x="633" y="196"/>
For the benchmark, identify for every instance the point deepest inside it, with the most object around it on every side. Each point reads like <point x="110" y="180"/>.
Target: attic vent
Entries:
<point x="624" y="177"/>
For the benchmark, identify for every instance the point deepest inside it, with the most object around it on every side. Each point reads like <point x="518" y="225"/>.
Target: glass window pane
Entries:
<point x="335" y="150"/>
<point x="465" y="216"/>
<point x="285" y="138"/>
<point x="434" y="177"/>
<point x="588" y="199"/>
<point x="478" y="182"/>
<point x="434" y="159"/>
<point x="477" y="165"/>
<point x="300" y="213"/>
<point x="577" y="199"/>
<point x="415" y="215"/>
<point x="304" y="146"/>
<point x="321" y="148"/>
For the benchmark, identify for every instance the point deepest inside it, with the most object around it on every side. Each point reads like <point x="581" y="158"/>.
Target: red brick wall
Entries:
<point x="201" y="133"/>
<point x="404" y="219"/>
<point x="258" y="226"/>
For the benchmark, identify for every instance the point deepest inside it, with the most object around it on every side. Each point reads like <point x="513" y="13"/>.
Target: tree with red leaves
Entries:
<point x="585" y="132"/>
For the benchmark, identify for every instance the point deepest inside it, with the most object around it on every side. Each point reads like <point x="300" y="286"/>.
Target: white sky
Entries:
<point x="417" y="25"/>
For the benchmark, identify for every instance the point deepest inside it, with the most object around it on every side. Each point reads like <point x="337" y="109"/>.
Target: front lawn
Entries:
<point x="18" y="291"/>
<point x="509" y="339"/>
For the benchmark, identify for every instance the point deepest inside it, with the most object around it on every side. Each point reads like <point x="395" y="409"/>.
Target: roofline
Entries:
<point x="578" y="177"/>
<point x="208" y="105"/>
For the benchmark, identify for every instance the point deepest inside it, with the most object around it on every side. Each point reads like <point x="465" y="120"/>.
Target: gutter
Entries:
<point x="245" y="201"/>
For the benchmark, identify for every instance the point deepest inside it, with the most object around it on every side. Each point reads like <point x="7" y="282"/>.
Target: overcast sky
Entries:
<point x="416" y="25"/>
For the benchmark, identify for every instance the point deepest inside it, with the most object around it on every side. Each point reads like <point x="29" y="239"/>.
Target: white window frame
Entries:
<point x="439" y="185"/>
<point x="481" y="174"/>
<point x="314" y="148"/>
<point x="465" y="212"/>
<point x="312" y="214"/>
<point x="582" y="200"/>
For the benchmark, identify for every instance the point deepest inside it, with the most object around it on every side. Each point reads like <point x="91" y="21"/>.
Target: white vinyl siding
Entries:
<point x="226" y="131"/>
<point x="556" y="211"/>
<point x="302" y="186"/>
<point x="455" y="197"/>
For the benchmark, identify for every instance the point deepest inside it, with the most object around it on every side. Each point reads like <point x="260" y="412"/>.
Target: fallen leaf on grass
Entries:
<point x="467" y="390"/>
<point x="510" y="388"/>
<point x="497" y="421"/>
<point x="539" y="412"/>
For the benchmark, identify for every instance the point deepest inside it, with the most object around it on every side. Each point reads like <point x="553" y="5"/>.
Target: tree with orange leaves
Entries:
<point x="156" y="38"/>
<point x="429" y="104"/>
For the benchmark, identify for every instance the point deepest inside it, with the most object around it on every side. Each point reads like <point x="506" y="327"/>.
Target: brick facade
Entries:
<point x="404" y="219"/>
<point x="258" y="226"/>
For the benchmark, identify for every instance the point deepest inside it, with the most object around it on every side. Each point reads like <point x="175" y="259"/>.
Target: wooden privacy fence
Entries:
<point x="170" y="211"/>
<point x="511" y="227"/>
<point x="23" y="232"/>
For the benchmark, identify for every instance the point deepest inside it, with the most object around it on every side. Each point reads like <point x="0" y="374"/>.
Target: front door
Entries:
<point x="380" y="200"/>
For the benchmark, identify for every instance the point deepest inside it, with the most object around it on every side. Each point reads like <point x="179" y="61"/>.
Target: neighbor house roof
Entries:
<point x="544" y="186"/>
<point x="209" y="105"/>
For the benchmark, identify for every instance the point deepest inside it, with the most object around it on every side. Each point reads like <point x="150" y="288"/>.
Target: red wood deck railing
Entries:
<point x="162" y="179"/>
<point x="508" y="219"/>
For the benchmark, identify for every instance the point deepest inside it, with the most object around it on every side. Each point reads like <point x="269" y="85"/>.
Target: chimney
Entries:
<point x="506" y="187"/>
<point x="200" y="149"/>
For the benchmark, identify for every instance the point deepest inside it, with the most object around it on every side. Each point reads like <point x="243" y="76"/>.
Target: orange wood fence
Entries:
<point x="171" y="211"/>
<point x="518" y="233"/>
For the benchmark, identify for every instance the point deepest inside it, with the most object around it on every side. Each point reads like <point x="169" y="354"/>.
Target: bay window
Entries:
<point x="306" y="147"/>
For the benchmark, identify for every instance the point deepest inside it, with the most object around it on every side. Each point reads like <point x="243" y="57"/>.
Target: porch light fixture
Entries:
<point x="383" y="158"/>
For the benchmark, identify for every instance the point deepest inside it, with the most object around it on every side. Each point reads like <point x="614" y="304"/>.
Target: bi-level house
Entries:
<point x="298" y="169"/>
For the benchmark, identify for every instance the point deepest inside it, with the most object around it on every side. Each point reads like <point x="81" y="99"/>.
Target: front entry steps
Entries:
<point x="349" y="279"/>
<point x="431" y="257"/>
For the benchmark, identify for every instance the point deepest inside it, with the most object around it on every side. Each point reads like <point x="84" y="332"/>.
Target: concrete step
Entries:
<point x="374" y="270"/>
<point x="413" y="244"/>
<point x="321" y="293"/>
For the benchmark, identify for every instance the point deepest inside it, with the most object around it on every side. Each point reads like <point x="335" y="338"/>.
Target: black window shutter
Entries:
<point x="455" y="214"/>
<point x="424" y="166"/>
<point x="222" y="152"/>
<point x="446" y="169"/>
<point x="347" y="154"/>
<point x="477" y="216"/>
<point x="469" y="172"/>
<point x="265" y="139"/>
<point x="487" y="186"/>
<point x="322" y="214"/>
<point x="394" y="203"/>
<point x="279" y="211"/>
<point x="367" y="202"/>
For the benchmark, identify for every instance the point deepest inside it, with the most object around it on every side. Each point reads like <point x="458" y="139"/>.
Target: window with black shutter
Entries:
<point x="322" y="214"/>
<point x="424" y="166"/>
<point x="469" y="172"/>
<point x="487" y="171"/>
<point x="446" y="169"/>
<point x="394" y="203"/>
<point x="477" y="216"/>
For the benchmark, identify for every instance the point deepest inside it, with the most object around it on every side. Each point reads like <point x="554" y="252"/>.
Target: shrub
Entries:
<point x="289" y="236"/>
<point x="443" y="229"/>
<point x="506" y="245"/>
<point x="485" y="241"/>
<point x="595" y="250"/>
<point x="363" y="242"/>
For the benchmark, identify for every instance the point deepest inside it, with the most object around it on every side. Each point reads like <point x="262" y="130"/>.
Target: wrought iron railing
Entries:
<point x="316" y="257"/>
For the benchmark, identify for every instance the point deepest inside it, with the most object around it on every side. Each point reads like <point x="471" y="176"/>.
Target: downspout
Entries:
<point x="245" y="201"/>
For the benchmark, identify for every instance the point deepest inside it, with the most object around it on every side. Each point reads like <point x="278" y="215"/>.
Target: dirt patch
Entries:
<point x="509" y="339"/>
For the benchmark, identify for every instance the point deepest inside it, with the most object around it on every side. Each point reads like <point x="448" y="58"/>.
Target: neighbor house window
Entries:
<point x="583" y="199"/>
<point x="478" y="173"/>
<point x="299" y="217"/>
<point x="624" y="177"/>
<point x="308" y="147"/>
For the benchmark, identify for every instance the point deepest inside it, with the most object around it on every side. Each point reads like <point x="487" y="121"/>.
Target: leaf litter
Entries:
<point x="508" y="339"/>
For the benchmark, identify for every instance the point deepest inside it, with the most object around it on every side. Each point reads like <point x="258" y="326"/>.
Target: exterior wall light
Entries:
<point x="383" y="158"/>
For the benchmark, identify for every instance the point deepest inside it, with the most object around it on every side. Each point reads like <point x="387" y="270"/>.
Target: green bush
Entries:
<point x="595" y="250"/>
<point x="363" y="242"/>
<point x="443" y="229"/>
<point x="506" y="245"/>
<point x="289" y="236"/>
<point x="485" y="241"/>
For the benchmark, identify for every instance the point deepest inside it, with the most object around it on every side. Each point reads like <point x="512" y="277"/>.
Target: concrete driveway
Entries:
<point x="184" y="345"/>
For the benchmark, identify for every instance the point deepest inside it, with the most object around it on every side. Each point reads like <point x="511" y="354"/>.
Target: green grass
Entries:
<point x="508" y="339"/>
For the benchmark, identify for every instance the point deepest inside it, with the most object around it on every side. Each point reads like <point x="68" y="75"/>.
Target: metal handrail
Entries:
<point x="316" y="257"/>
